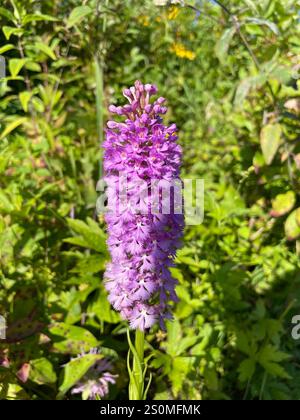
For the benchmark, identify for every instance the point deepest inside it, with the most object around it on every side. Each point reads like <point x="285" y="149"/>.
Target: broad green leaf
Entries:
<point x="270" y="25"/>
<point x="246" y="85"/>
<point x="15" y="66"/>
<point x="223" y="44"/>
<point x="5" y="203"/>
<point x="16" y="9"/>
<point x="174" y="335"/>
<point x="70" y="339"/>
<point x="12" y="126"/>
<point x="242" y="92"/>
<point x="46" y="50"/>
<point x="90" y="264"/>
<point x="24" y="99"/>
<point x="42" y="371"/>
<point x="77" y="15"/>
<point x="91" y="235"/>
<point x="251" y="4"/>
<point x="271" y="353"/>
<point x="78" y="240"/>
<point x="103" y="310"/>
<point x="298" y="216"/>
<point x="270" y="140"/>
<point x="184" y="344"/>
<point x="32" y="66"/>
<point x="211" y="378"/>
<point x="76" y="369"/>
<point x="9" y="31"/>
<point x="242" y="343"/>
<point x="292" y="226"/>
<point x="7" y="13"/>
<point x="38" y="17"/>
<point x="283" y="203"/>
<point x="269" y="358"/>
<point x="258" y="160"/>
<point x="246" y="369"/>
<point x="180" y="368"/>
<point x="6" y="48"/>
<point x="276" y="370"/>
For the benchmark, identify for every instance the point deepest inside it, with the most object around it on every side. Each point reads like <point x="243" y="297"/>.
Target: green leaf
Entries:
<point x="5" y="203"/>
<point x="9" y="31"/>
<point x="298" y="216"/>
<point x="12" y="126"/>
<point x="184" y="344"/>
<point x="246" y="85"/>
<point x="247" y="369"/>
<point x="283" y="204"/>
<point x="77" y="15"/>
<point x="242" y="92"/>
<point x="242" y="343"/>
<point x="103" y="310"/>
<point x="38" y="17"/>
<point x="6" y="13"/>
<point x="174" y="335"/>
<point x="89" y="264"/>
<point x="270" y="352"/>
<point x="91" y="235"/>
<point x="270" y="140"/>
<point x="223" y="44"/>
<point x="42" y="372"/>
<point x="269" y="357"/>
<point x="275" y="369"/>
<point x="46" y="50"/>
<point x="271" y="25"/>
<point x="251" y="4"/>
<point x="292" y="225"/>
<point x="6" y="48"/>
<point x="15" y="66"/>
<point x="180" y="368"/>
<point x="75" y="370"/>
<point x="211" y="378"/>
<point x="24" y="99"/>
<point x="70" y="339"/>
<point x="258" y="160"/>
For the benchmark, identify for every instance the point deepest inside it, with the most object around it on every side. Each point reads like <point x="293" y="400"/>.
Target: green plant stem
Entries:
<point x="138" y="362"/>
<point x="136" y="384"/>
<point x="99" y="106"/>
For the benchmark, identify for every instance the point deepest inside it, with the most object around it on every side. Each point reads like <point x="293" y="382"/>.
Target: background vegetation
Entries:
<point x="231" y="77"/>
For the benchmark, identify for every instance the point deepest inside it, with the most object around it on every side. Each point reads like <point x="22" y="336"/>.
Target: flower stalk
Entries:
<point x="137" y="366"/>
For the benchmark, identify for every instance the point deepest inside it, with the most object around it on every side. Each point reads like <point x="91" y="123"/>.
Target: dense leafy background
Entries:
<point x="238" y="116"/>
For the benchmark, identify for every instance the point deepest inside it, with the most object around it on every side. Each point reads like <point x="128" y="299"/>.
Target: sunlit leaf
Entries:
<point x="270" y="140"/>
<point x="77" y="15"/>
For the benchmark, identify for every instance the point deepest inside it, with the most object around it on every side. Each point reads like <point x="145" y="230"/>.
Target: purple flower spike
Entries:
<point x="142" y="242"/>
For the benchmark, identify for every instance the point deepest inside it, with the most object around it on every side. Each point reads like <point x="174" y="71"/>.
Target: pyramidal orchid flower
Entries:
<point x="142" y="242"/>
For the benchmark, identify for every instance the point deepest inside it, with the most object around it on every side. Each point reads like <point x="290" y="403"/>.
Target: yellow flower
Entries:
<point x="144" y="20"/>
<point x="180" y="50"/>
<point x="173" y="13"/>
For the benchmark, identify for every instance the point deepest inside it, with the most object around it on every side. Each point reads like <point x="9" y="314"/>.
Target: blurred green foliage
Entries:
<point x="232" y="83"/>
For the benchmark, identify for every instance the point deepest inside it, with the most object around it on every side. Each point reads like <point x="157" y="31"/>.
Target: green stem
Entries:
<point x="137" y="376"/>
<point x="99" y="105"/>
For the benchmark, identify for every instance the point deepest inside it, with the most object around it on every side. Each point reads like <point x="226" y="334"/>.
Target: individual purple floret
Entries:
<point x="95" y="383"/>
<point x="142" y="242"/>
